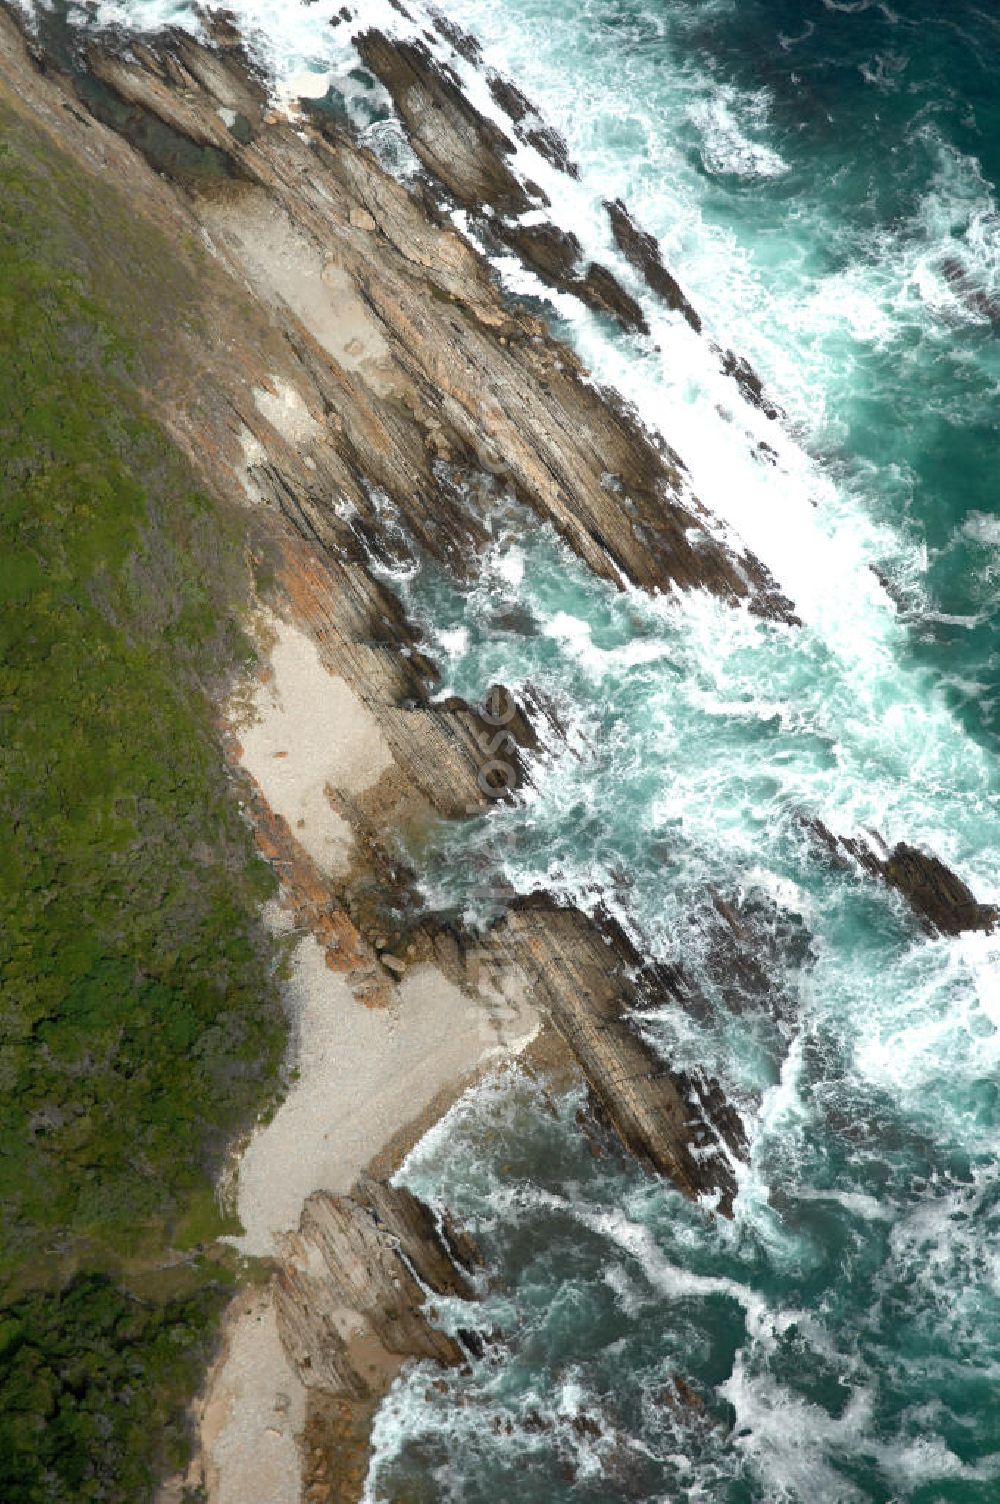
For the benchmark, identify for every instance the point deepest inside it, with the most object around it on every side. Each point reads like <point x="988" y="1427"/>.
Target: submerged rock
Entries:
<point x="964" y="285"/>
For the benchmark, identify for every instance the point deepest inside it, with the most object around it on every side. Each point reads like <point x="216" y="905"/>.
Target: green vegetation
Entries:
<point x="140" y="1022"/>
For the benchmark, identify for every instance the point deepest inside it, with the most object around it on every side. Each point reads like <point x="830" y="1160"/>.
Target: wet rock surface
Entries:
<point x="464" y="150"/>
<point x="749" y="383"/>
<point x="941" y="900"/>
<point x="354" y="378"/>
<point x="439" y="395"/>
<point x="585" y="974"/>
<point x="642" y="250"/>
<point x="469" y="154"/>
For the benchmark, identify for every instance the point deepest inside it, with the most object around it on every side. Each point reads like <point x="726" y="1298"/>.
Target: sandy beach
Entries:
<point x="365" y="1082"/>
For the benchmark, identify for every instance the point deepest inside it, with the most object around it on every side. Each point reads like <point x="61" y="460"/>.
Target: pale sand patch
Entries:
<point x="254" y="1412"/>
<point x="282" y="262"/>
<point x="364" y="1075"/>
<point x="254" y="455"/>
<point x="285" y="409"/>
<point x="310" y="731"/>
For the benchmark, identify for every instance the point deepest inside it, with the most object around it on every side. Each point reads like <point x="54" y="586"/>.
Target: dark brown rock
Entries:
<point x="943" y="902"/>
<point x="463" y="42"/>
<point x="462" y="394"/>
<point x="602" y="291"/>
<point x="749" y="383"/>
<point x="642" y="250"/>
<point x="748" y="943"/>
<point x="427" y="1248"/>
<point x="529" y="126"/>
<point x="462" y="148"/>
<point x="555" y="255"/>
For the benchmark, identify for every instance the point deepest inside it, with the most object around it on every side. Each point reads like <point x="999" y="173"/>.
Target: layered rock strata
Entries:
<point x="418" y="395"/>
<point x="594" y="985"/>
<point x="351" y="1296"/>
<point x="470" y="157"/>
<point x="944" y="904"/>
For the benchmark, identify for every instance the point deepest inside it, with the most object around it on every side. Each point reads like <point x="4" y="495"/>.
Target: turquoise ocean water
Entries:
<point x="813" y="171"/>
<point x="823" y="178"/>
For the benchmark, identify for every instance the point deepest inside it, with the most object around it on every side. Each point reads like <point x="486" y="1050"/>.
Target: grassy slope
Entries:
<point x="140" y="1024"/>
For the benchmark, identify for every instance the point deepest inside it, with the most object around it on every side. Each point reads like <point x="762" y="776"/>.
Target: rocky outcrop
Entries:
<point x="469" y="154"/>
<point x="749" y="383"/>
<point x="528" y="124"/>
<point x="344" y="367"/>
<point x="463" y="149"/>
<point x="351" y="1298"/>
<point x="460" y="758"/>
<point x="642" y="250"/>
<point x="593" y="983"/>
<point x="556" y="256"/>
<point x="750" y="944"/>
<point x="941" y="900"/>
<point x="471" y="157"/>
<point x="352" y="1288"/>
<point x="406" y="395"/>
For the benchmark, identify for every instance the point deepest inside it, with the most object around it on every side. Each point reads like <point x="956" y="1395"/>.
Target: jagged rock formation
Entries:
<point x="942" y="901"/>
<point x="591" y="981"/>
<point x="749" y="383"/>
<point x="469" y="154"/>
<point x="351" y="1297"/>
<point x="642" y="250"/>
<point x="749" y="944"/>
<point x="392" y="420"/>
<point x="350" y="1290"/>
<point x="528" y="125"/>
<point x="346" y="368"/>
